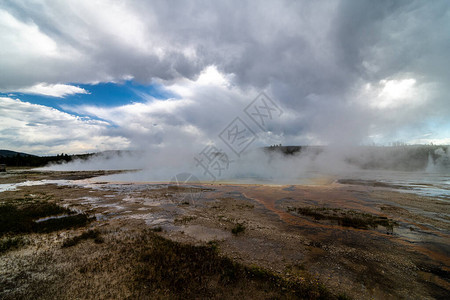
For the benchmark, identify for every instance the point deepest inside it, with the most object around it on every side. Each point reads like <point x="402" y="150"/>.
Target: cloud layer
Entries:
<point x="343" y="71"/>
<point x="53" y="90"/>
<point x="41" y="130"/>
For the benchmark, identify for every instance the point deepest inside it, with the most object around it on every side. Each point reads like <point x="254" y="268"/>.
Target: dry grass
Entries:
<point x="20" y="216"/>
<point x="141" y="264"/>
<point x="90" y="234"/>
<point x="11" y="242"/>
<point x="345" y="217"/>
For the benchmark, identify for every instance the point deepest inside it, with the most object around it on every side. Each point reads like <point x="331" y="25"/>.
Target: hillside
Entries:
<point x="10" y="153"/>
<point x="19" y="159"/>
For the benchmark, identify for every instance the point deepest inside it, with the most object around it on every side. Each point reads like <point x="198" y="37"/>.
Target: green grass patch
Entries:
<point x="346" y="217"/>
<point x="22" y="216"/>
<point x="238" y="228"/>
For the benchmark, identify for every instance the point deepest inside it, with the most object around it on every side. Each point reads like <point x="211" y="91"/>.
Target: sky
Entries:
<point x="169" y="76"/>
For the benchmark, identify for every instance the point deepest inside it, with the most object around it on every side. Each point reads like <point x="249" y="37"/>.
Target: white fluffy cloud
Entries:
<point x="53" y="90"/>
<point x="42" y="130"/>
<point x="201" y="110"/>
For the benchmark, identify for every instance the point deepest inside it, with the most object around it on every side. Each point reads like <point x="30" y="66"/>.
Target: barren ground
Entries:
<point x="329" y="243"/>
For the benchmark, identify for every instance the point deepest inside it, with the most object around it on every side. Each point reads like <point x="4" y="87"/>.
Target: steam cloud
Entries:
<point x="259" y="165"/>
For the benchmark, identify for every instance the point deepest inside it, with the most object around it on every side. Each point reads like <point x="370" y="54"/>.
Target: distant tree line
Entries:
<point x="26" y="160"/>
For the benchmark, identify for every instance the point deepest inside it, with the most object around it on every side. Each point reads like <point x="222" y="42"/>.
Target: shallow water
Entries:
<point x="436" y="185"/>
<point x="13" y="186"/>
<point x="52" y="218"/>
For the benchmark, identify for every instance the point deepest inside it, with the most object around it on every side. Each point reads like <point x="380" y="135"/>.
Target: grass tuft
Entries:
<point x="157" y="229"/>
<point x="343" y="296"/>
<point x="10" y="243"/>
<point x="346" y="217"/>
<point x="238" y="228"/>
<point x="90" y="234"/>
<point x="20" y="217"/>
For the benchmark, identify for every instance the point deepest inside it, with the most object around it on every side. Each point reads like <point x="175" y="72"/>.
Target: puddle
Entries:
<point x="13" y="186"/>
<point x="52" y="218"/>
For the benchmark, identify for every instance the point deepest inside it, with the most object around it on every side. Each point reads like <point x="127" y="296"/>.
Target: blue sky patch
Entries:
<point x="102" y="94"/>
